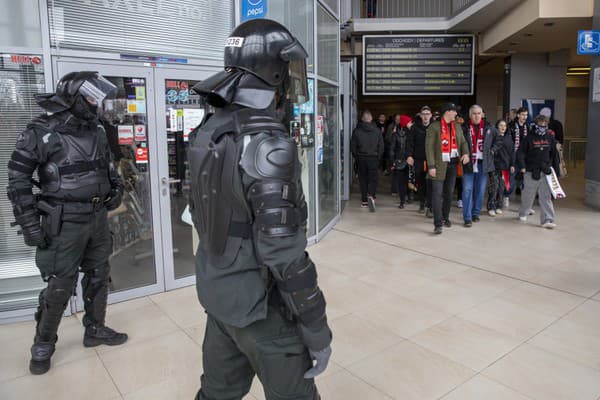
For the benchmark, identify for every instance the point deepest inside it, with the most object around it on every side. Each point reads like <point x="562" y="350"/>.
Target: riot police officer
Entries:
<point x="266" y="313"/>
<point x="67" y="221"/>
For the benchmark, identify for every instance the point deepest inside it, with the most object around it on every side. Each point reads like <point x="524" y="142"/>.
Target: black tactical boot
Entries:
<point x="96" y="335"/>
<point x="95" y="295"/>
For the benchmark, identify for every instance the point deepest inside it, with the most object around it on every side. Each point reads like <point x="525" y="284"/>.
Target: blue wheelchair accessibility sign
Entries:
<point x="252" y="9"/>
<point x="588" y="43"/>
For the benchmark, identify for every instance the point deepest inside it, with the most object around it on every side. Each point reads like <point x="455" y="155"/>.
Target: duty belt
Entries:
<point x="95" y="204"/>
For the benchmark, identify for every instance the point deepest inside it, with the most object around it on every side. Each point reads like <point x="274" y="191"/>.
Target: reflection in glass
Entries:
<point x="328" y="41"/>
<point x="126" y="122"/>
<point x="327" y="155"/>
<point x="185" y="111"/>
<point x="302" y="128"/>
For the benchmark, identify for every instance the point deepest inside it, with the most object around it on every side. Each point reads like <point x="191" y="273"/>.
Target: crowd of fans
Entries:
<point x="432" y="155"/>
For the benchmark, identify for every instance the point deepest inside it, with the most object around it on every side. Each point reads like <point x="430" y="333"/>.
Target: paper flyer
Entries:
<point x="125" y="134"/>
<point x="141" y="155"/>
<point x="191" y="119"/>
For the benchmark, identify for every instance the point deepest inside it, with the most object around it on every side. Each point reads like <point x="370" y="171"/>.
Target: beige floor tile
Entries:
<point x="540" y="299"/>
<point x="181" y="293"/>
<point x="82" y="379"/>
<point x="478" y="280"/>
<point x="407" y="371"/>
<point x="345" y="386"/>
<point x="183" y="308"/>
<point x="510" y="319"/>
<point x="158" y="361"/>
<point x="355" y="338"/>
<point x="141" y="324"/>
<point x="571" y="340"/>
<point x="345" y="295"/>
<point x="18" y="330"/>
<point x="465" y="342"/>
<point x="447" y="296"/>
<point x="433" y="267"/>
<point x="14" y="358"/>
<point x="480" y="388"/>
<point x="181" y="386"/>
<point x="580" y="282"/>
<point x="402" y="316"/>
<point x="542" y="375"/>
<point x="127" y="306"/>
<point x="398" y="281"/>
<point x="587" y="315"/>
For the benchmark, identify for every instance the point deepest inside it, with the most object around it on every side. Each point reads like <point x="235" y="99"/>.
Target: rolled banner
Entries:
<point x="555" y="188"/>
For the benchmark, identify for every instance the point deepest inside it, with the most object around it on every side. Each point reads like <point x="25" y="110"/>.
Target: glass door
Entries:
<point x="136" y="262"/>
<point x="179" y="111"/>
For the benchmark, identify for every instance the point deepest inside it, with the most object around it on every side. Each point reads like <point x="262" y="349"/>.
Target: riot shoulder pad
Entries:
<point x="271" y="157"/>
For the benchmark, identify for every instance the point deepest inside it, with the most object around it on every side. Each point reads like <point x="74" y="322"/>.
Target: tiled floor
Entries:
<point x="500" y="311"/>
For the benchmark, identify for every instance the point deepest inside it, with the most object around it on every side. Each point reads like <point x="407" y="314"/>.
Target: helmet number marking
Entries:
<point x="234" y="41"/>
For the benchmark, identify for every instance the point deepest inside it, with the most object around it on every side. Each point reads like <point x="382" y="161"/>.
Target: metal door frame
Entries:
<point x="62" y="65"/>
<point x="160" y="76"/>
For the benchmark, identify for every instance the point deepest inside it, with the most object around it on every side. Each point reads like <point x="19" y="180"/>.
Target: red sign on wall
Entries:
<point x="24" y="59"/>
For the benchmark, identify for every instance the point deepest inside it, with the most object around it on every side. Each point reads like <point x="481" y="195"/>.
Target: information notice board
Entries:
<point x="418" y="64"/>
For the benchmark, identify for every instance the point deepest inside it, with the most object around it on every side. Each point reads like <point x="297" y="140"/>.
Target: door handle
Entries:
<point x="166" y="181"/>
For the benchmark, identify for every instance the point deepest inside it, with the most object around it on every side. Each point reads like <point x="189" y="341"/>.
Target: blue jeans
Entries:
<point x="473" y="193"/>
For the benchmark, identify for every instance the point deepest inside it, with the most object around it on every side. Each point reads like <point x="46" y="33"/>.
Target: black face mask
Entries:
<point x="84" y="110"/>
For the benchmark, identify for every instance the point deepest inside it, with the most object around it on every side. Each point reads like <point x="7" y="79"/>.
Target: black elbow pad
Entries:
<point x="301" y="293"/>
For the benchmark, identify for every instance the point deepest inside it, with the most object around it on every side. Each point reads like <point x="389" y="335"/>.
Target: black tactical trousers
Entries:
<point x="83" y="247"/>
<point x="270" y="348"/>
<point x="367" y="176"/>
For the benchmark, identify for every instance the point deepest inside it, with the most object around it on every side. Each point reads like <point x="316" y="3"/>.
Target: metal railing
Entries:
<point x="409" y="8"/>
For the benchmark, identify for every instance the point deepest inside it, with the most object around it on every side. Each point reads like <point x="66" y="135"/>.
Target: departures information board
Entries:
<point x="418" y="64"/>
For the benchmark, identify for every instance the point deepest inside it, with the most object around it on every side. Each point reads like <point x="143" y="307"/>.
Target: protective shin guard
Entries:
<point x="95" y="295"/>
<point x="52" y="303"/>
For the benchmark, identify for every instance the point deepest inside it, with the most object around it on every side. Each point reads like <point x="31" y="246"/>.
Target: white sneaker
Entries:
<point x="531" y="211"/>
<point x="506" y="202"/>
<point x="492" y="213"/>
<point x="523" y="219"/>
<point x="459" y="204"/>
<point x="549" y="225"/>
<point x="498" y="211"/>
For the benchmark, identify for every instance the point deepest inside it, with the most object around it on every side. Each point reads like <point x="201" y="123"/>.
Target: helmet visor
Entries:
<point x="297" y="91"/>
<point x="97" y="88"/>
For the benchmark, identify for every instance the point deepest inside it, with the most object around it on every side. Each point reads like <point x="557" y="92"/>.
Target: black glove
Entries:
<point x="31" y="229"/>
<point x="34" y="236"/>
<point x="113" y="200"/>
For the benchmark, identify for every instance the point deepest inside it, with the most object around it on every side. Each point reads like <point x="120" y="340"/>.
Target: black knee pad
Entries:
<point x="59" y="290"/>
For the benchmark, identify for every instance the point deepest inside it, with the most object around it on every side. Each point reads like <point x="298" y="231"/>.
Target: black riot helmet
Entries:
<point x="83" y="92"/>
<point x="261" y="58"/>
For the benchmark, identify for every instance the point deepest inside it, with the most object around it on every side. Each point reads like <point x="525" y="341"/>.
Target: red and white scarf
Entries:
<point x="518" y="134"/>
<point x="448" y="141"/>
<point x="476" y="144"/>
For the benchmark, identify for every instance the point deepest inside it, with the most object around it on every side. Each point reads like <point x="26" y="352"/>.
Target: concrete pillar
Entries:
<point x="592" y="155"/>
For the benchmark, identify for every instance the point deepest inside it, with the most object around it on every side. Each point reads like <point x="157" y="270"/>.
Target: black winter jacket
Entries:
<point x="366" y="141"/>
<point x="537" y="153"/>
<point x="503" y="152"/>
<point x="398" y="145"/>
<point x="416" y="141"/>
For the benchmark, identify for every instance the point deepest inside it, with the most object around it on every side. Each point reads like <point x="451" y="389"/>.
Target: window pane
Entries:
<point x="333" y="5"/>
<point x="327" y="138"/>
<point x="20" y="23"/>
<point x="328" y="31"/>
<point x="297" y="16"/>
